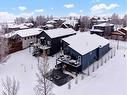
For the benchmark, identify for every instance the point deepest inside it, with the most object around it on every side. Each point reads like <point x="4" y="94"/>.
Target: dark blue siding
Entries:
<point x="103" y="50"/>
<point x="74" y="54"/>
<point x="89" y="58"/>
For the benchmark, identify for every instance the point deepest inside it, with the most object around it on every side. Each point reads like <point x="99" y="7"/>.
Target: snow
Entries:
<point x="85" y="42"/>
<point x="51" y="21"/>
<point x="54" y="33"/>
<point x="125" y="28"/>
<point x="96" y="30"/>
<point x="20" y="26"/>
<point x="109" y="79"/>
<point x="24" y="33"/>
<point x="49" y="25"/>
<point x="104" y="24"/>
<point x="70" y="22"/>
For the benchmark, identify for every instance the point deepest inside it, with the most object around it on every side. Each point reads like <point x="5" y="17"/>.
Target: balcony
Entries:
<point x="66" y="59"/>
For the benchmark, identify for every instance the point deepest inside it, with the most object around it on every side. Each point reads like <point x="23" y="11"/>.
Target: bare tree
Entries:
<point x="5" y="28"/>
<point x="3" y="46"/>
<point x="84" y="22"/>
<point x="20" y="20"/>
<point x="10" y="86"/>
<point x="40" y="20"/>
<point x="125" y="20"/>
<point x="115" y="19"/>
<point x="44" y="86"/>
<point x="30" y="19"/>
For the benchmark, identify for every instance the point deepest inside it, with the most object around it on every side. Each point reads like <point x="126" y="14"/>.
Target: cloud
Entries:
<point x="26" y="14"/>
<point x="52" y="8"/>
<point x="7" y="17"/>
<point x="22" y="8"/>
<point x="69" y="5"/>
<point x="74" y="14"/>
<point x="100" y="8"/>
<point x="39" y="10"/>
<point x="80" y="11"/>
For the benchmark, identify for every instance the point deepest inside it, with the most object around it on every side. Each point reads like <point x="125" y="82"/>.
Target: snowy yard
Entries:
<point x="109" y="79"/>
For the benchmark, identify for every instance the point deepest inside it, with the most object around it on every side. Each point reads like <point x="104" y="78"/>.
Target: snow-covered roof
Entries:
<point x="71" y="22"/>
<point x="125" y="28"/>
<point x="51" y="21"/>
<point x="104" y="24"/>
<point x="28" y="24"/>
<point x="85" y="42"/>
<point x="54" y="33"/>
<point x="49" y="25"/>
<point x="24" y="33"/>
<point x="20" y="26"/>
<point x="96" y="30"/>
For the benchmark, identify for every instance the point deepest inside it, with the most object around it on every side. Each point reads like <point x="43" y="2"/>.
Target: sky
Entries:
<point x="10" y="9"/>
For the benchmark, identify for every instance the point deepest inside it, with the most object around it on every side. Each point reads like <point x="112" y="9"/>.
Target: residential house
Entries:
<point x="53" y="38"/>
<point x="21" y="39"/>
<point x="106" y="28"/>
<point x="82" y="50"/>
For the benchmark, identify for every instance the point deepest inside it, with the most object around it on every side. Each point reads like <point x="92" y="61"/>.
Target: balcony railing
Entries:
<point x="68" y="60"/>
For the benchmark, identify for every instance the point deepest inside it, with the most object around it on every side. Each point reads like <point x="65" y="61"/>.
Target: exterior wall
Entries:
<point x="98" y="33"/>
<point x="56" y="43"/>
<point x="103" y="51"/>
<point x="106" y="29"/>
<point x="88" y="59"/>
<point x="26" y="41"/>
<point x="74" y="55"/>
<point x="14" y="44"/>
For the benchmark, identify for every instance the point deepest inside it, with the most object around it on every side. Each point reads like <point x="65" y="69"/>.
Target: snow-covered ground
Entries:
<point x="109" y="79"/>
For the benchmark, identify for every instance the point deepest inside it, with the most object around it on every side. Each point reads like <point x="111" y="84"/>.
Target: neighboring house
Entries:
<point x="21" y="39"/>
<point x="98" y="20"/>
<point x="107" y="28"/>
<point x="53" y="38"/>
<point x="15" y="27"/>
<point x="51" y="22"/>
<point x="48" y="26"/>
<point x="69" y="24"/>
<point x="82" y="50"/>
<point x="97" y="31"/>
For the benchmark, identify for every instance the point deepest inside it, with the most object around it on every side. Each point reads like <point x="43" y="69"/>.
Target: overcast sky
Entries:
<point x="12" y="8"/>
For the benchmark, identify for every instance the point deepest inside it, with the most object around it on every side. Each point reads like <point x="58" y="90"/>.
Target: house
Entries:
<point x="69" y="24"/>
<point x="15" y="27"/>
<point x="82" y="50"/>
<point x="98" y="20"/>
<point x="53" y="38"/>
<point x="21" y="39"/>
<point x="107" y="28"/>
<point x="97" y="31"/>
<point x="48" y="26"/>
<point x="118" y="35"/>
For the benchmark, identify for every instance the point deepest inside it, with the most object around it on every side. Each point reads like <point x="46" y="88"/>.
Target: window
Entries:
<point x="28" y="37"/>
<point x="79" y="59"/>
<point x="31" y="37"/>
<point x="24" y="38"/>
<point x="49" y="42"/>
